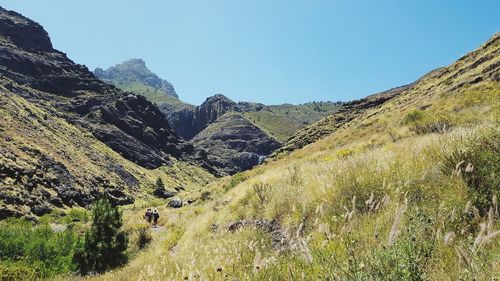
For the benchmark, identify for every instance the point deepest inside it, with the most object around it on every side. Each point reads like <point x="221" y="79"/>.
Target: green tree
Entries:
<point x="159" y="185"/>
<point x="105" y="243"/>
<point x="160" y="190"/>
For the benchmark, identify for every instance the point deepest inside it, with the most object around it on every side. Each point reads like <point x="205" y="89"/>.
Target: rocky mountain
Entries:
<point x="218" y="126"/>
<point x="59" y="123"/>
<point x="134" y="73"/>
<point x="271" y="123"/>
<point x="234" y="143"/>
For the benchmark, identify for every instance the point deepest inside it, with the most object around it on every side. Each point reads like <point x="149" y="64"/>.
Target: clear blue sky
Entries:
<point x="269" y="51"/>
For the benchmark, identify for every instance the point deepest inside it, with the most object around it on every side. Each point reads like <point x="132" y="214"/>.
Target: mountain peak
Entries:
<point x="219" y="98"/>
<point x="135" y="71"/>
<point x="140" y="62"/>
<point x="23" y="32"/>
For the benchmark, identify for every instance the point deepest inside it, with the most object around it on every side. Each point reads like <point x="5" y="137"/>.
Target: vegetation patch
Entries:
<point x="30" y="251"/>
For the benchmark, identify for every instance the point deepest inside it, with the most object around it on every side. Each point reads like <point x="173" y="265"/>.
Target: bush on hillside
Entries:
<point x="237" y="179"/>
<point x="143" y="235"/>
<point x="478" y="164"/>
<point x="421" y="123"/>
<point x="413" y="116"/>
<point x="105" y="242"/>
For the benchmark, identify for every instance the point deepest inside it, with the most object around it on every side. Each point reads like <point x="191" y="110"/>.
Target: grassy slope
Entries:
<point x="417" y="224"/>
<point x="152" y="94"/>
<point x="282" y="121"/>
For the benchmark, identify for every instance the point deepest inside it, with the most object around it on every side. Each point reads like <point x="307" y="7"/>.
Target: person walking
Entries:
<point x="156" y="216"/>
<point x="148" y="215"/>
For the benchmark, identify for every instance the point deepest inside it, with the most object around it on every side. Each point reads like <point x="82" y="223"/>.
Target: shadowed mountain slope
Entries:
<point x="234" y="143"/>
<point x="52" y="106"/>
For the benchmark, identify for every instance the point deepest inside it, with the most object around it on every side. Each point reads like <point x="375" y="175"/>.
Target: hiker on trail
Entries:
<point x="148" y="215"/>
<point x="156" y="216"/>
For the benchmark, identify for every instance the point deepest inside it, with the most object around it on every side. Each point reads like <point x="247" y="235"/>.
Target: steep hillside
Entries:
<point x="345" y="114"/>
<point x="475" y="70"/>
<point x="235" y="144"/>
<point x="48" y="163"/>
<point x="68" y="137"/>
<point x="133" y="74"/>
<point x="404" y="191"/>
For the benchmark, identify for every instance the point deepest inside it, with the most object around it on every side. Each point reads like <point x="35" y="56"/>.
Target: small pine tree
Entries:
<point x="105" y="243"/>
<point x="159" y="188"/>
<point x="159" y="185"/>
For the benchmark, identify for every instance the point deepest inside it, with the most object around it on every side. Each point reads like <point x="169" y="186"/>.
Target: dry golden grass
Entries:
<point x="319" y="215"/>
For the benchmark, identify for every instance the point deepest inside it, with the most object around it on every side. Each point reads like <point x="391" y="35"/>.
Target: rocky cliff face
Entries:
<point x="47" y="99"/>
<point x="188" y="122"/>
<point x="132" y="71"/>
<point x="234" y="143"/>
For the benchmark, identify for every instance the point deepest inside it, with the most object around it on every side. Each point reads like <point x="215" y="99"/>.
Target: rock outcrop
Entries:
<point x="133" y="71"/>
<point x="188" y="122"/>
<point x="232" y="142"/>
<point x="280" y="121"/>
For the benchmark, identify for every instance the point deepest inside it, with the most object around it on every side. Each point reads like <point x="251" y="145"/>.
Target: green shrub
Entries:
<point x="478" y="164"/>
<point x="77" y="215"/>
<point x="144" y="236"/>
<point x="344" y="153"/>
<point x="262" y="191"/>
<point x="159" y="189"/>
<point x="48" y="253"/>
<point x="439" y="125"/>
<point x="205" y="195"/>
<point x="413" y="116"/>
<point x="159" y="185"/>
<point x="18" y="271"/>
<point x="422" y="123"/>
<point x="105" y="243"/>
<point x="409" y="257"/>
<point x="237" y="179"/>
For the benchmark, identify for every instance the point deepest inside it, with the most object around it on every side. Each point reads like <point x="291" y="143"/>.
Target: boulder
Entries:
<point x="174" y="203"/>
<point x="161" y="193"/>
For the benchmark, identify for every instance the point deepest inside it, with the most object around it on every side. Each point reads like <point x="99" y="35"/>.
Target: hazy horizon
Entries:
<point x="272" y="53"/>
